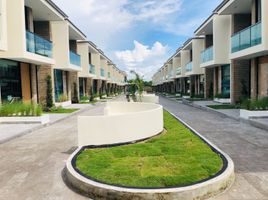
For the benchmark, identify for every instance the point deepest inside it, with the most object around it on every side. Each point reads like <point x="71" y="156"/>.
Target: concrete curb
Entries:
<point x="203" y="190"/>
<point x="44" y="125"/>
<point x="192" y="104"/>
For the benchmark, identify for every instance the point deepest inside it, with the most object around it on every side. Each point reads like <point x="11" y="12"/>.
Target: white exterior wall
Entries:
<point x="222" y="39"/>
<point x="82" y="50"/>
<point x="176" y="64"/>
<point x="60" y="37"/>
<point x="265" y="23"/>
<point x="3" y="25"/>
<point x="16" y="39"/>
<point x="95" y="58"/>
<point x="198" y="47"/>
<point x="185" y="59"/>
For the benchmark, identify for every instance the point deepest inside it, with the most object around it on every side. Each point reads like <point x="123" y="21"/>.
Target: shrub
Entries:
<point x="49" y="97"/>
<point x="261" y="104"/>
<point x="84" y="98"/>
<point x="63" y="98"/>
<point x="75" y="94"/>
<point x="20" y="109"/>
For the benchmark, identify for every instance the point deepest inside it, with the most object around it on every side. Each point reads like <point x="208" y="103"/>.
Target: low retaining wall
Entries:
<point x="44" y="119"/>
<point x="247" y="114"/>
<point x="122" y="123"/>
<point x="202" y="190"/>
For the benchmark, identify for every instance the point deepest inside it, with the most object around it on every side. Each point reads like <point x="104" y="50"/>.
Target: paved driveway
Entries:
<point x="247" y="146"/>
<point x="30" y="166"/>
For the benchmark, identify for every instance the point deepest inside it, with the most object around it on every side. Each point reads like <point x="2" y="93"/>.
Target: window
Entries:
<point x="10" y="80"/>
<point x="58" y="83"/>
<point x="258" y="11"/>
<point x="225" y="83"/>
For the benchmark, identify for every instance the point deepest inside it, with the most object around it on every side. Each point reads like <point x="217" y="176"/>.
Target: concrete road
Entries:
<point x="31" y="166"/>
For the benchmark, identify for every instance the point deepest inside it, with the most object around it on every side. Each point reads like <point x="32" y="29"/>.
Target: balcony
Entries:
<point x="92" y="69"/>
<point x="207" y="55"/>
<point x="189" y="67"/>
<point x="102" y="72"/>
<point x="38" y="45"/>
<point x="247" y="38"/>
<point x="75" y="59"/>
<point x="178" y="71"/>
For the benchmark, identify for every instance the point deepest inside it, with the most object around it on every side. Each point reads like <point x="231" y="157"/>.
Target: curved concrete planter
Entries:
<point x="150" y="98"/>
<point x="122" y="122"/>
<point x="202" y="190"/>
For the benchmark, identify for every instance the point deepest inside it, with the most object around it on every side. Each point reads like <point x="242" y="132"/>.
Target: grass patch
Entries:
<point x="223" y="106"/>
<point x="175" y="158"/>
<point x="61" y="110"/>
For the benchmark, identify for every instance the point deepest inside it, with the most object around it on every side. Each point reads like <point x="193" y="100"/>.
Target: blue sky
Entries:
<point x="138" y="34"/>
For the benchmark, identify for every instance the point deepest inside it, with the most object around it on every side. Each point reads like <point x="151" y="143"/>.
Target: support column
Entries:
<point x="42" y="73"/>
<point x="34" y="84"/>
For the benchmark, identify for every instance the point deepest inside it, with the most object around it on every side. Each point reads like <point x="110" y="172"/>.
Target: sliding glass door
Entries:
<point x="10" y="80"/>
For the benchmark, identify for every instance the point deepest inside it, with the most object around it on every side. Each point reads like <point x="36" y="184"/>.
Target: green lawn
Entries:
<point x="175" y="158"/>
<point x="62" y="110"/>
<point x="223" y="106"/>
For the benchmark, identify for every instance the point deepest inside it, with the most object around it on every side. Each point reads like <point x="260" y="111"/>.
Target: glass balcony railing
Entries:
<point x="38" y="45"/>
<point x="92" y="69"/>
<point x="178" y="71"/>
<point x="207" y="55"/>
<point x="75" y="59"/>
<point x="102" y="72"/>
<point x="189" y="67"/>
<point x="246" y="38"/>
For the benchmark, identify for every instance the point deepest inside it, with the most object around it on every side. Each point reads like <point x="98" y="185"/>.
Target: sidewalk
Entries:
<point x="11" y="131"/>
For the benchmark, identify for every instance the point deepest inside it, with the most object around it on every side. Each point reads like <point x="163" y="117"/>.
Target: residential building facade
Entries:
<point x="231" y="59"/>
<point x="40" y="42"/>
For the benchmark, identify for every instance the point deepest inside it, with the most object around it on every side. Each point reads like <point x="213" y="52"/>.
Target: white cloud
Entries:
<point x="143" y="59"/>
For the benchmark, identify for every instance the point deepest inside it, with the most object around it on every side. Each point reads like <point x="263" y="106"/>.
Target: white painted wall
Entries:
<point x="60" y="37"/>
<point x="123" y="122"/>
<point x="185" y="58"/>
<point x="222" y="39"/>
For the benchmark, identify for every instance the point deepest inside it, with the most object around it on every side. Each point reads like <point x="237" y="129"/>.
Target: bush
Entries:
<point x="84" y="98"/>
<point x="261" y="104"/>
<point x="75" y="94"/>
<point x="49" y="97"/>
<point x="20" y="109"/>
<point x="62" y="98"/>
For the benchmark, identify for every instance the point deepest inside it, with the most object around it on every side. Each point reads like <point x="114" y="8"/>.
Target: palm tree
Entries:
<point x="139" y="83"/>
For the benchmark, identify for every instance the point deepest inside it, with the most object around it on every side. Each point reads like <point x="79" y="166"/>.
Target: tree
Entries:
<point x="139" y="83"/>
<point x="49" y="97"/>
<point x="75" y="95"/>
